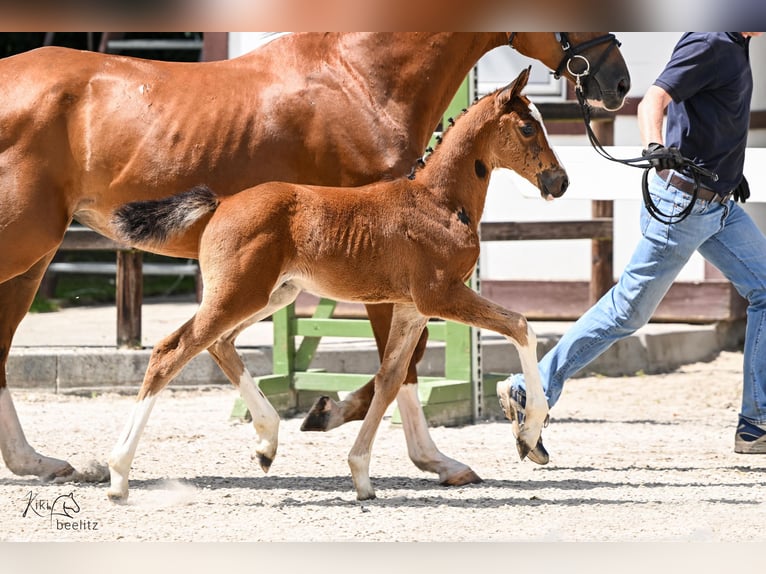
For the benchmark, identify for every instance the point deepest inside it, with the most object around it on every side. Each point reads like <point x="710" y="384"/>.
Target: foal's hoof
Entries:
<point x="537" y="455"/>
<point x="264" y="461"/>
<point x="523" y="448"/>
<point x="117" y="498"/>
<point x="318" y="418"/>
<point x="366" y="495"/>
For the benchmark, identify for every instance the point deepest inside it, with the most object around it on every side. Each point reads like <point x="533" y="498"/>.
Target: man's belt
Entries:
<point x="704" y="193"/>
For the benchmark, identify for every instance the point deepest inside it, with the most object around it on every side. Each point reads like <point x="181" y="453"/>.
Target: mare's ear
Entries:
<point x="512" y="90"/>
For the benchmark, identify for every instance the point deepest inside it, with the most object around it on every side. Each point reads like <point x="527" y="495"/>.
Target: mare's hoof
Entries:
<point x="318" y="417"/>
<point x="65" y="473"/>
<point x="467" y="476"/>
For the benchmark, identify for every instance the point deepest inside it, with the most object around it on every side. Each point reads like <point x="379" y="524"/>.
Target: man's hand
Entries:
<point x="661" y="157"/>
<point x="742" y="192"/>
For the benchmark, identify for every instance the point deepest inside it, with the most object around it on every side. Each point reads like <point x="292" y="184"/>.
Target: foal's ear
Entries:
<point x="513" y="90"/>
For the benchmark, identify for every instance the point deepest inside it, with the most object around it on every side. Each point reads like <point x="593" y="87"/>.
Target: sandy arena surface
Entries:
<point x="645" y="458"/>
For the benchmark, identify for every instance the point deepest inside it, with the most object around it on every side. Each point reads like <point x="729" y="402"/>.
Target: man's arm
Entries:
<point x="651" y="111"/>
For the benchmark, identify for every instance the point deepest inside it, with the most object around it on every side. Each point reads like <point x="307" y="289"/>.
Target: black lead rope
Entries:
<point x="642" y="163"/>
<point x="654" y="211"/>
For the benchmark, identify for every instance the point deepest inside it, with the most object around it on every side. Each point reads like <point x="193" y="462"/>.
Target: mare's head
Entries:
<point x="520" y="143"/>
<point x="593" y="56"/>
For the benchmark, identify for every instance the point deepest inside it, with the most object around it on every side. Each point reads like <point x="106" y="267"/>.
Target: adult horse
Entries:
<point x="82" y="133"/>
<point x="412" y="242"/>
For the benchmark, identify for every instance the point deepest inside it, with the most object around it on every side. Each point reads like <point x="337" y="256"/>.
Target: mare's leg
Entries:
<point x="325" y="414"/>
<point x="33" y="219"/>
<point x="218" y="314"/>
<point x="406" y="327"/>
<point x="16" y="296"/>
<point x="460" y="303"/>
<point x="265" y="417"/>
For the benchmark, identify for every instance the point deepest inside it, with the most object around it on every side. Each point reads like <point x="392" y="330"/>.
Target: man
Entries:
<point x="706" y="88"/>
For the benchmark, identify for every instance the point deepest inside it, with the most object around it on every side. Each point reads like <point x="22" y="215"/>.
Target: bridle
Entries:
<point x="574" y="54"/>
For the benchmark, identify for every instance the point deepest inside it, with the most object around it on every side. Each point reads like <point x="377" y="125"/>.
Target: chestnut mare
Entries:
<point x="412" y="242"/>
<point x="83" y="133"/>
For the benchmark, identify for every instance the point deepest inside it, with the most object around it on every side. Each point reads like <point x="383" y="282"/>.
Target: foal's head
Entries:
<point x="520" y="142"/>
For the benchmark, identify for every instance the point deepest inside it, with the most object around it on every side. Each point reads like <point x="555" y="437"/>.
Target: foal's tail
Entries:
<point x="155" y="220"/>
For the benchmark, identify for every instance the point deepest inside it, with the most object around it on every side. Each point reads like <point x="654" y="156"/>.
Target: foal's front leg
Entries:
<point x="326" y="414"/>
<point x="406" y="327"/>
<point x="421" y="447"/>
<point x="458" y="302"/>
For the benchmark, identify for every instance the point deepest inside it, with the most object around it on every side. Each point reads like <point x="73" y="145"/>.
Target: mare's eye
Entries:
<point x="528" y="130"/>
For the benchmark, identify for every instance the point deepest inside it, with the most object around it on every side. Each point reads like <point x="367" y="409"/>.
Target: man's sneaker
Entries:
<point x="513" y="400"/>
<point x="750" y="438"/>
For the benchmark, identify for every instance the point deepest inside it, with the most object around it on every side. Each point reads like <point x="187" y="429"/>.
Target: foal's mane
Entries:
<point x="451" y="122"/>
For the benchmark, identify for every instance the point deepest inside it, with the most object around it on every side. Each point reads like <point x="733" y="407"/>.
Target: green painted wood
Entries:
<point x="305" y="353"/>
<point x="284" y="341"/>
<point x="328" y="327"/>
<point x="457" y="357"/>
<point x="319" y="381"/>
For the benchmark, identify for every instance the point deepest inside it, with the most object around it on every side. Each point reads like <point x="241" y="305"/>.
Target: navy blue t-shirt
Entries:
<point x="709" y="78"/>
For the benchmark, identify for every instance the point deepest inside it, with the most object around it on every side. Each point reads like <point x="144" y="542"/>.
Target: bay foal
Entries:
<point x="411" y="241"/>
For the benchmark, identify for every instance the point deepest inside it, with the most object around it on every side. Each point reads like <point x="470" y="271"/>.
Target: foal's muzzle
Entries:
<point x="552" y="183"/>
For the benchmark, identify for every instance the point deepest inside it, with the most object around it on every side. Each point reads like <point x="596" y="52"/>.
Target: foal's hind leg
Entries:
<point x="216" y="316"/>
<point x="265" y="417"/>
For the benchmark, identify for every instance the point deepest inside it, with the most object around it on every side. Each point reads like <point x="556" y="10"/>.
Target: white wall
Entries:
<point x="646" y="54"/>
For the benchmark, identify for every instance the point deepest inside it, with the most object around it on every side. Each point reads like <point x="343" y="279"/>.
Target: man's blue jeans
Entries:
<point x="726" y="236"/>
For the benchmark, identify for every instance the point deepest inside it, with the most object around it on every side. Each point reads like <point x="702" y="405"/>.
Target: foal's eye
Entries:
<point x="528" y="130"/>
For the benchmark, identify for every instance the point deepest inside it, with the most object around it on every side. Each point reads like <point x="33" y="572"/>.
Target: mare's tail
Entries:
<point x="154" y="221"/>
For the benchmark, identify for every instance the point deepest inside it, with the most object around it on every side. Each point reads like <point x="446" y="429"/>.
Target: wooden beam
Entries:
<point x="129" y="298"/>
<point x="600" y="228"/>
<point x="84" y="239"/>
<point x="602" y="269"/>
<point x="215" y="46"/>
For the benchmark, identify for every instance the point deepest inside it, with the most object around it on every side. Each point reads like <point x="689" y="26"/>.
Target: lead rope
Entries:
<point x="642" y="163"/>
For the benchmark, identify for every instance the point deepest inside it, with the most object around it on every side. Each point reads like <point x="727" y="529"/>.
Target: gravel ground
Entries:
<point x="645" y="458"/>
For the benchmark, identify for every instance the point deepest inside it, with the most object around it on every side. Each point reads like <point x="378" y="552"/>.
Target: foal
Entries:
<point x="411" y="241"/>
